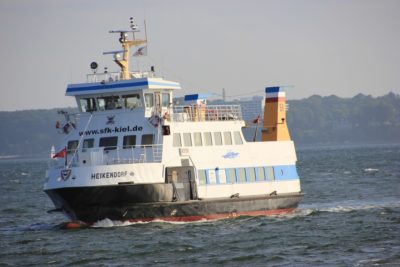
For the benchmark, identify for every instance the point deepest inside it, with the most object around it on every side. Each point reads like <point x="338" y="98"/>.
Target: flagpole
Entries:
<point x="255" y="133"/>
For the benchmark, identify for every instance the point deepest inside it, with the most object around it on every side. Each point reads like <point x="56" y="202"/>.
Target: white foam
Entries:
<point x="371" y="170"/>
<point x="106" y="223"/>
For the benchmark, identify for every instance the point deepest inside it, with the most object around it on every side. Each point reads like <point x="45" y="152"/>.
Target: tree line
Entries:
<point x="314" y="120"/>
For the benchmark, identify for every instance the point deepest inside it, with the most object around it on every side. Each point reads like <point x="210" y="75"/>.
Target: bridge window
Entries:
<point x="109" y="103"/>
<point x="227" y="138"/>
<point x="109" y="143"/>
<point x="238" y="138"/>
<point x="132" y="101"/>
<point x="148" y="98"/>
<point x="187" y="139"/>
<point x="129" y="141"/>
<point x="218" y="138"/>
<point x="87" y="104"/>
<point x="165" y="100"/>
<point x="147" y="139"/>
<point x="176" y="141"/>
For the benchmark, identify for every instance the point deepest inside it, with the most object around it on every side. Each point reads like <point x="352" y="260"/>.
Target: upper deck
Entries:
<point x="110" y="85"/>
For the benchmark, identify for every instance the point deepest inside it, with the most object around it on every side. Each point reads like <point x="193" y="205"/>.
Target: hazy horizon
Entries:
<point x="325" y="48"/>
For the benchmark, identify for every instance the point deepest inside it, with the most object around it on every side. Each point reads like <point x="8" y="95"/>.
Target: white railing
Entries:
<point x="115" y="76"/>
<point x="109" y="156"/>
<point x="207" y="113"/>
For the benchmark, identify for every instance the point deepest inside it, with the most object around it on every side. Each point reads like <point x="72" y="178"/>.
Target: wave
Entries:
<point x="371" y="170"/>
<point x="106" y="223"/>
<point x="302" y="211"/>
<point x="349" y="206"/>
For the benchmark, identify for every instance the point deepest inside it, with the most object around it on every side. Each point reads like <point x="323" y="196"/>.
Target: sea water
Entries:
<point x="350" y="216"/>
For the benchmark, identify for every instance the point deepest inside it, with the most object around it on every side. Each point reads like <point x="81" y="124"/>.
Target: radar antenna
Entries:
<point x="123" y="62"/>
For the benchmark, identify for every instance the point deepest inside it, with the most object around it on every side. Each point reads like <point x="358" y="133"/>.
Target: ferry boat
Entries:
<point x="131" y="154"/>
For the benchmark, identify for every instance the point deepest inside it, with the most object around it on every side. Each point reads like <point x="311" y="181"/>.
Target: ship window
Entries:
<point x="176" y="141"/>
<point x="227" y="138"/>
<point x="147" y="139"/>
<point x="88" y="104"/>
<point x="212" y="177"/>
<point x="108" y="103"/>
<point x="270" y="173"/>
<point x="197" y="139"/>
<point x="232" y="175"/>
<point x="87" y="143"/>
<point x="72" y="146"/>
<point x="260" y="173"/>
<point x="165" y="100"/>
<point x="149" y="100"/>
<point x="241" y="175"/>
<point x="109" y="143"/>
<point x="202" y="177"/>
<point x="207" y="139"/>
<point x="129" y="141"/>
<point x="218" y="138"/>
<point x="251" y="175"/>
<point x="187" y="139"/>
<point x="222" y="176"/>
<point x="111" y="102"/>
<point x="238" y="138"/>
<point x="132" y="101"/>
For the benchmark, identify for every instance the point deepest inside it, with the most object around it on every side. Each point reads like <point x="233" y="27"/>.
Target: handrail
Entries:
<point x="110" y="155"/>
<point x="206" y="113"/>
<point x="116" y="76"/>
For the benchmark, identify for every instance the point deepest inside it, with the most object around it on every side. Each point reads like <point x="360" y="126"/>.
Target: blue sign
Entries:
<point x="230" y="155"/>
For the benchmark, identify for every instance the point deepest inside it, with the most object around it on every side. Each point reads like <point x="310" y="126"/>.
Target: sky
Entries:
<point x="340" y="47"/>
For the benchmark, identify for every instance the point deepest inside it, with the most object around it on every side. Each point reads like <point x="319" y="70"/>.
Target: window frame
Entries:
<point x="108" y="147"/>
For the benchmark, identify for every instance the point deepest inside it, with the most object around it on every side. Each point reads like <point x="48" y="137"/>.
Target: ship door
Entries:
<point x="183" y="182"/>
<point x="157" y="96"/>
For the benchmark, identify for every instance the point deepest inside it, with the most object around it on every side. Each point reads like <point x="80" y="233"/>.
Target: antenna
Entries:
<point x="121" y="57"/>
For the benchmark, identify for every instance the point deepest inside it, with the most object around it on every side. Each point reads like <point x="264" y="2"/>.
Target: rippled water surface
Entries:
<point x="349" y="217"/>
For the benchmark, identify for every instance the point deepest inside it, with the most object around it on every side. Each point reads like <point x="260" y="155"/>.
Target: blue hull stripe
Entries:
<point x="272" y="173"/>
<point x="118" y="85"/>
<point x="286" y="172"/>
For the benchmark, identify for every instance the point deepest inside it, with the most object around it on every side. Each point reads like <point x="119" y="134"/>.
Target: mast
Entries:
<point x="126" y="44"/>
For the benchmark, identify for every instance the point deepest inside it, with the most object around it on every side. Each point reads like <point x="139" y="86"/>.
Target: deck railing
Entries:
<point x="207" y="113"/>
<point x="115" y="76"/>
<point x="109" y="156"/>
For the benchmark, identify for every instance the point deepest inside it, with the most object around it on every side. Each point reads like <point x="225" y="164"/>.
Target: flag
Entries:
<point x="52" y="152"/>
<point x="142" y="51"/>
<point x="60" y="154"/>
<point x="257" y="120"/>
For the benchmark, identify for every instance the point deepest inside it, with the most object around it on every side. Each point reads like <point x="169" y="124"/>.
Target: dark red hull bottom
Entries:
<point x="81" y="225"/>
<point x="216" y="216"/>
